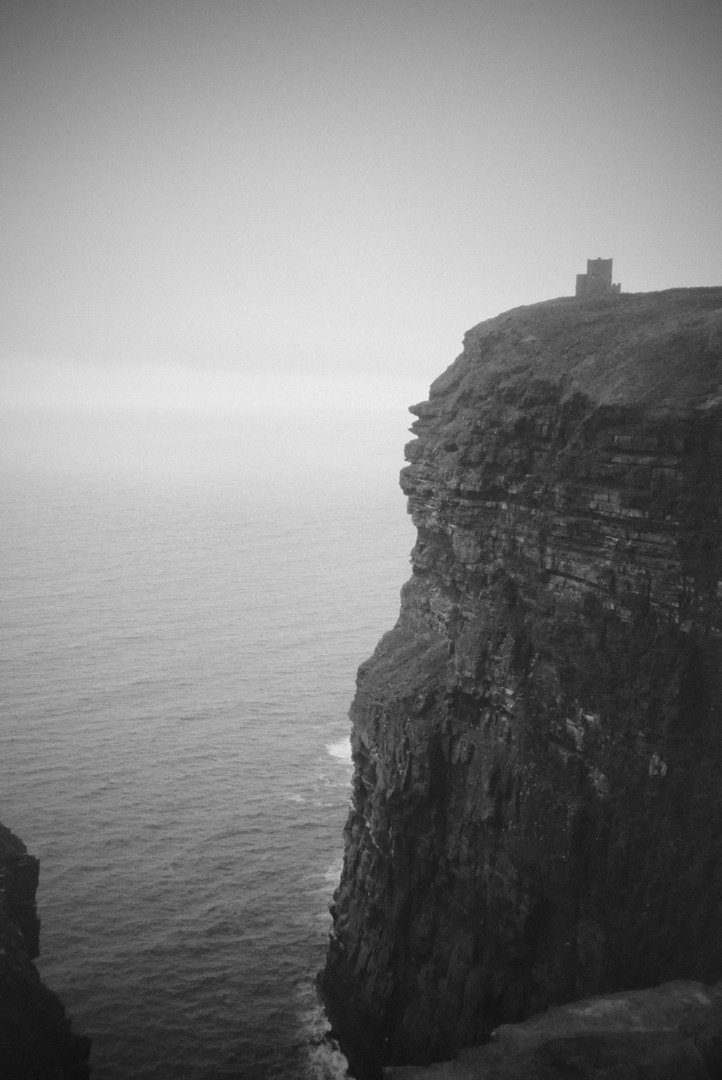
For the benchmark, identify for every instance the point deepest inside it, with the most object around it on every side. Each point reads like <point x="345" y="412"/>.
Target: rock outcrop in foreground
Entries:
<point x="36" y="1040"/>
<point x="537" y="806"/>
<point x="672" y="1032"/>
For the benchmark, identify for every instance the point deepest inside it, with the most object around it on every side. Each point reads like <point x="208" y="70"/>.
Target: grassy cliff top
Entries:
<point x="660" y="351"/>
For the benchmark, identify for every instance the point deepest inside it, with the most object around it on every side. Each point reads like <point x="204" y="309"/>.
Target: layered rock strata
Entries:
<point x="36" y="1038"/>
<point x="537" y="743"/>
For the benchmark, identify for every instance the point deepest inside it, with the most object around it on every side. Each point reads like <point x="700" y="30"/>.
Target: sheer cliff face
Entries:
<point x="538" y="742"/>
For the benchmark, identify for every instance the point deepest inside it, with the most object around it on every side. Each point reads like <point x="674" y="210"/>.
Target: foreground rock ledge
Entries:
<point x="36" y="1038"/>
<point x="537" y="743"/>
<point x="673" y="1032"/>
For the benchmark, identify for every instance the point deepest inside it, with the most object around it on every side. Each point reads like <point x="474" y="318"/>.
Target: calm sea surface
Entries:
<point x="185" y="604"/>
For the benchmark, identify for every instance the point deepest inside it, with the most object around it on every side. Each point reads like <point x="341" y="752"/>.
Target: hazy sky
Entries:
<point x="199" y="196"/>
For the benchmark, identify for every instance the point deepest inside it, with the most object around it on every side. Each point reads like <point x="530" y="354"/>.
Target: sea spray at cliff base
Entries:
<point x="340" y="750"/>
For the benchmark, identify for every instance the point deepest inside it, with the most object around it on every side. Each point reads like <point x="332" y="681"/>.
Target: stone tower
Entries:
<point x="598" y="279"/>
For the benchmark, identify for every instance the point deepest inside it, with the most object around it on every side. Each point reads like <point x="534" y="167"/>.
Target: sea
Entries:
<point x="185" y="602"/>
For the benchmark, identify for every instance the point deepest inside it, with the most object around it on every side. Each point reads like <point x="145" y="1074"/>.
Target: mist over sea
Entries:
<point x="185" y="603"/>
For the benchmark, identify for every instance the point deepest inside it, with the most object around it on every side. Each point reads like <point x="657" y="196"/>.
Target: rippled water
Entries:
<point x="181" y="624"/>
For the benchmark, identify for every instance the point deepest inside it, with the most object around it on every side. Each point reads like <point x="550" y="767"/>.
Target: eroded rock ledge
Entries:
<point x="671" y="1032"/>
<point x="36" y="1038"/>
<point x="537" y="743"/>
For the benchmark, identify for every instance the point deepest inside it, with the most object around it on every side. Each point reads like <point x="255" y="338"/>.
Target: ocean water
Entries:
<point x="185" y="604"/>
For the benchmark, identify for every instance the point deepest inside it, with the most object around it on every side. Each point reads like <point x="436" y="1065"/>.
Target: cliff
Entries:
<point x="537" y="743"/>
<point x="36" y="1040"/>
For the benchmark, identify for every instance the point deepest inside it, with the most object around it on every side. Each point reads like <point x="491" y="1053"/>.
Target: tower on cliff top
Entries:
<point x="598" y="279"/>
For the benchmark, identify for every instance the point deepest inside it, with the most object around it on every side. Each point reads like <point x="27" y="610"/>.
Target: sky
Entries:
<point x="266" y="204"/>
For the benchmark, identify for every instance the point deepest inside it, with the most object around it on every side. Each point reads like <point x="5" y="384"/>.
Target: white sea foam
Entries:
<point x="340" y="750"/>
<point x="324" y="1060"/>
<point x="333" y="873"/>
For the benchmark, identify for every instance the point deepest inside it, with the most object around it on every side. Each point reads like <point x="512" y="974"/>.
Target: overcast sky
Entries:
<point x="225" y="191"/>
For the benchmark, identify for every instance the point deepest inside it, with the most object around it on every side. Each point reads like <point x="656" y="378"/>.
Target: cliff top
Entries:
<point x="661" y="351"/>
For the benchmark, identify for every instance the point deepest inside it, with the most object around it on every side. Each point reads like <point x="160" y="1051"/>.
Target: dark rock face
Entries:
<point x="538" y="742"/>
<point x="672" y="1032"/>
<point x="36" y="1040"/>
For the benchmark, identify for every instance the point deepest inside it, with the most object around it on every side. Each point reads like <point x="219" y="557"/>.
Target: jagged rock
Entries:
<point x="537" y="743"/>
<point x="672" y="1032"/>
<point x="36" y="1038"/>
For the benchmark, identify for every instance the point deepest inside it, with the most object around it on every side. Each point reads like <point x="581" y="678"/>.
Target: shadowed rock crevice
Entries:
<point x="537" y="742"/>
